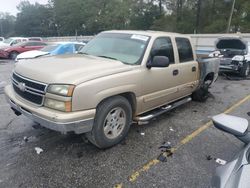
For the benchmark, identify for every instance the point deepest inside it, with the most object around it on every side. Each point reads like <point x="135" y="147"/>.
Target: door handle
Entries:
<point x="175" y="72"/>
<point x="193" y="69"/>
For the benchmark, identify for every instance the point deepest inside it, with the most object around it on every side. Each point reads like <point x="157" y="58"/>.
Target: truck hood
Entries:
<point x="229" y="47"/>
<point x="69" y="69"/>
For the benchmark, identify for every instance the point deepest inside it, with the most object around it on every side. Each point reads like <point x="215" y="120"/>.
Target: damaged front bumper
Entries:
<point x="77" y="122"/>
<point x="234" y="66"/>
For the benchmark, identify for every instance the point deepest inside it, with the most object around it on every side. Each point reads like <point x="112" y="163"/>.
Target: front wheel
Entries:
<point x="112" y="122"/>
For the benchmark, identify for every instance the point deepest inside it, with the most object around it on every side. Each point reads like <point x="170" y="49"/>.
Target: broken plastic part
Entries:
<point x="220" y="161"/>
<point x="162" y="157"/>
<point x="38" y="150"/>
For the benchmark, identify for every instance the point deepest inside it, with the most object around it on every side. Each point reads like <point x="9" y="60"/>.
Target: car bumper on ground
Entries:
<point x="77" y="122"/>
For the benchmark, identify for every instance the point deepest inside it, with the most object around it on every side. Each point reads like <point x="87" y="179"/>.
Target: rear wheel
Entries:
<point x="13" y="55"/>
<point x="112" y="122"/>
<point x="244" y="71"/>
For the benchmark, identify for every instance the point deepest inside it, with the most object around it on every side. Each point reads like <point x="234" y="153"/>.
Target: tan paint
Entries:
<point x="97" y="79"/>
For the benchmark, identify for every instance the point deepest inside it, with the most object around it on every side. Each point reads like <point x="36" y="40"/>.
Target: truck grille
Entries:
<point x="29" y="90"/>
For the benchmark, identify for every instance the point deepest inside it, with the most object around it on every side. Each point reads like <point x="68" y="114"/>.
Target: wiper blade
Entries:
<point x="83" y="53"/>
<point x="107" y="57"/>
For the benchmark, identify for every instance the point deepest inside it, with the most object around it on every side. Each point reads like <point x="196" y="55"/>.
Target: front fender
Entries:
<point x="89" y="94"/>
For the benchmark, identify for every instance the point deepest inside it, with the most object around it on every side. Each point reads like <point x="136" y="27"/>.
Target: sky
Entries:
<point x="10" y="5"/>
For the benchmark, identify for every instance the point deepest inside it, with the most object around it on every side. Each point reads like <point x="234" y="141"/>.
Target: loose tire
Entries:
<point x="13" y="55"/>
<point x="112" y="122"/>
<point x="244" y="71"/>
<point x="201" y="95"/>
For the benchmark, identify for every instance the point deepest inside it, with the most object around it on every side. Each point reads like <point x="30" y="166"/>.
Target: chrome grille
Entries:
<point x="29" y="90"/>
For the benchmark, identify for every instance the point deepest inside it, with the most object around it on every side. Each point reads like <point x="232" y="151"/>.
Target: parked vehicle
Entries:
<point x="35" y="39"/>
<point x="1" y="39"/>
<point x="12" y="41"/>
<point x="117" y="78"/>
<point x="235" y="174"/>
<point x="234" y="55"/>
<point x="53" y="49"/>
<point x="12" y="51"/>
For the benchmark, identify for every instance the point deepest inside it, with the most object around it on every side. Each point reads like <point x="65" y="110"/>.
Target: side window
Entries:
<point x="163" y="47"/>
<point x="184" y="49"/>
<point x="15" y="42"/>
<point x="38" y="44"/>
<point x="78" y="47"/>
<point x="28" y="44"/>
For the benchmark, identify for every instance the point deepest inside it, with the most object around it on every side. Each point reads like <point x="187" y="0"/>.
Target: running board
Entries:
<point x="154" y="113"/>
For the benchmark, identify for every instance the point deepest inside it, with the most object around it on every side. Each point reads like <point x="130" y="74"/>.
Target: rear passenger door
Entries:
<point x="188" y="66"/>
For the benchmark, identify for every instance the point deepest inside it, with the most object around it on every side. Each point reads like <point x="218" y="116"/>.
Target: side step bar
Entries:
<point x="154" y="113"/>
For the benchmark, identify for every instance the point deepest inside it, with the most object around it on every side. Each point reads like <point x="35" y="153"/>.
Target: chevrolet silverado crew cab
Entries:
<point x="118" y="78"/>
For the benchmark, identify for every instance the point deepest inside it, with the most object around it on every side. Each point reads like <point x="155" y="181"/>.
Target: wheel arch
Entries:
<point x="209" y="77"/>
<point x="130" y="96"/>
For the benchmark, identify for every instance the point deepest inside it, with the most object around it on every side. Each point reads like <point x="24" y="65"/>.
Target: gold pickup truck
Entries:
<point x="118" y="78"/>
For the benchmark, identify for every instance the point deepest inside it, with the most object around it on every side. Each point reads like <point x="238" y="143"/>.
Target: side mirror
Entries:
<point x="234" y="125"/>
<point x="158" y="61"/>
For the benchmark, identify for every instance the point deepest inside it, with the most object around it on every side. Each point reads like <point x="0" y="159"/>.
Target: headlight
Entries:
<point x="64" y="90"/>
<point x="58" y="105"/>
<point x="238" y="58"/>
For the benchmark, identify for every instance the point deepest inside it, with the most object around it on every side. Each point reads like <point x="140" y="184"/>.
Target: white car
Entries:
<point x="12" y="41"/>
<point x="234" y="54"/>
<point x="53" y="49"/>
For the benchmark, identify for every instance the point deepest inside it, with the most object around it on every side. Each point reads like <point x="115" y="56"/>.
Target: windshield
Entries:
<point x="49" y="48"/>
<point x="8" y="41"/>
<point x="126" y="48"/>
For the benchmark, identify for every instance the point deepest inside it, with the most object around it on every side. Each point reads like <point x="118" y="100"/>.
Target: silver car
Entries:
<point x="235" y="174"/>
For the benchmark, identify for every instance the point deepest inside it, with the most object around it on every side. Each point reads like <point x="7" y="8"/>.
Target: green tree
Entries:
<point x="35" y="20"/>
<point x="7" y="24"/>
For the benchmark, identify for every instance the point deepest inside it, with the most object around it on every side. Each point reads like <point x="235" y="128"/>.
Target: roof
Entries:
<point x="147" y="33"/>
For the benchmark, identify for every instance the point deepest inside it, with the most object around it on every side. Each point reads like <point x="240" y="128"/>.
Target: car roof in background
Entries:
<point x="18" y="38"/>
<point x="30" y="41"/>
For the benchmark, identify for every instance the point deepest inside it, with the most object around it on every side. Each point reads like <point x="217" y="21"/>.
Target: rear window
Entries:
<point x="184" y="49"/>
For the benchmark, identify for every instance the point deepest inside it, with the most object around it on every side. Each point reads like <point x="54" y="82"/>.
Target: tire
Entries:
<point x="13" y="55"/>
<point x="201" y="95"/>
<point x="112" y="122"/>
<point x="244" y="71"/>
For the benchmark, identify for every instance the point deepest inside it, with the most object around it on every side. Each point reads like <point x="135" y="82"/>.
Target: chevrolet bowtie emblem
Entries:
<point x="22" y="86"/>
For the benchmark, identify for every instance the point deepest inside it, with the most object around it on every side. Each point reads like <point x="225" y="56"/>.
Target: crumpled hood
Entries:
<point x="69" y="69"/>
<point x="31" y="54"/>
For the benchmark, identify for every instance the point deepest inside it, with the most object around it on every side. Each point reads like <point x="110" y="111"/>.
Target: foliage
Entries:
<point x="88" y="17"/>
<point x="7" y="24"/>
